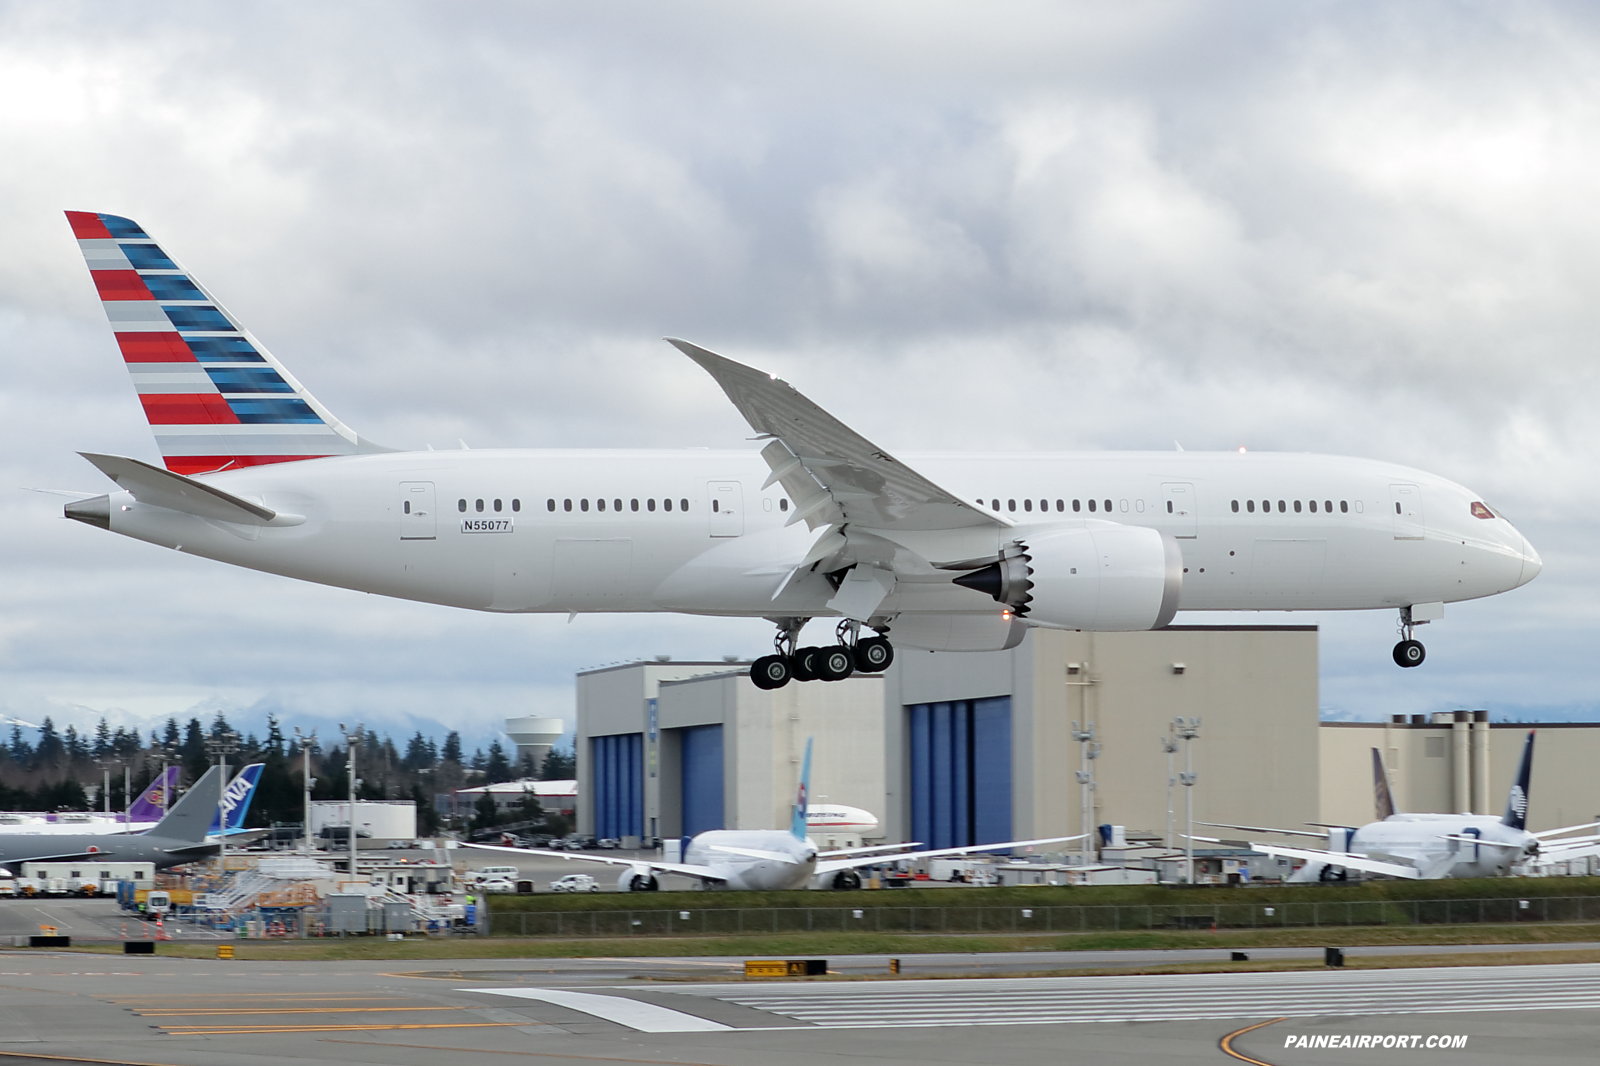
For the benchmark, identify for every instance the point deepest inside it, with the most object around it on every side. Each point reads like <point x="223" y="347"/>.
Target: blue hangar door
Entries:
<point x="618" y="763"/>
<point x="961" y="772"/>
<point x="702" y="779"/>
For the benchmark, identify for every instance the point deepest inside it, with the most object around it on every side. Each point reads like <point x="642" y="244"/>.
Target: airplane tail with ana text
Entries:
<point x="797" y="824"/>
<point x="215" y="398"/>
<point x="236" y="799"/>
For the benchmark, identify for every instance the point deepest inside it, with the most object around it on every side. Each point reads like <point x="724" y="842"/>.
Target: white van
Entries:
<point x="493" y="873"/>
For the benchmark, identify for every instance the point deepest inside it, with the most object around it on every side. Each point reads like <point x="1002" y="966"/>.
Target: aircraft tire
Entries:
<point x="873" y="655"/>
<point x="803" y="664"/>
<point x="1409" y="653"/>
<point x="771" y="671"/>
<point x="835" y="663"/>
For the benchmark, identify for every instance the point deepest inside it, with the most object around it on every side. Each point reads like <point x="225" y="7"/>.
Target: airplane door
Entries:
<point x="727" y="508"/>
<point x="1407" y="501"/>
<point x="417" y="521"/>
<point x="1178" y="505"/>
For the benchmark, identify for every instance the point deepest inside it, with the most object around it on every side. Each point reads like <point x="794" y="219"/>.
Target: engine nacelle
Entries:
<point x="1100" y="577"/>
<point x="637" y="879"/>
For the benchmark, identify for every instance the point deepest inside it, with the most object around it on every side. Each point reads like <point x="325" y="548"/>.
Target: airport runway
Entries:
<point x="213" y="1013"/>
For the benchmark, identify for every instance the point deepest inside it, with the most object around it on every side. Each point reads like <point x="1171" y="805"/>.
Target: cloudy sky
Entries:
<point x="1367" y="229"/>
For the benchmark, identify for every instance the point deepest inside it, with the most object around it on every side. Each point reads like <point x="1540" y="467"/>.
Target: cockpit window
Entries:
<point x="1481" y="510"/>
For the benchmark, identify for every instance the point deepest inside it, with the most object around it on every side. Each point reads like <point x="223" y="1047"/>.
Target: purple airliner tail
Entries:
<point x="153" y="802"/>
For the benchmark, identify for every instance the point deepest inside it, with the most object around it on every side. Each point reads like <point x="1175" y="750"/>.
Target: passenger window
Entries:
<point x="1344" y="506"/>
<point x="713" y="506"/>
<point x="497" y="506"/>
<point x="1281" y="507"/>
<point x="480" y="506"/>
<point x="1091" y="505"/>
<point x="1313" y="506"/>
<point x="1266" y="505"/>
<point x="567" y="504"/>
<point x="650" y="505"/>
<point x="1044" y="505"/>
<point x="783" y="504"/>
<point x="461" y="505"/>
<point x="1061" y="505"/>
<point x="1250" y="505"/>
<point x="549" y="505"/>
<point x="516" y="505"/>
<point x="994" y="505"/>
<point x="1169" y="506"/>
<point x="616" y="505"/>
<point x="407" y="507"/>
<point x="1027" y="505"/>
<point x="633" y="504"/>
<point x="1011" y="505"/>
<point x="583" y="505"/>
<point x="600" y="505"/>
<point x="1108" y="505"/>
<point x="1075" y="505"/>
<point x="683" y="505"/>
<point x="1235" y="506"/>
<point x="1397" y="507"/>
<point x="1297" y="507"/>
<point x="666" y="505"/>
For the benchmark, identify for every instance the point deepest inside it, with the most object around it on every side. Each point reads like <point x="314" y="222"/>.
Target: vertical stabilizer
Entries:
<point x="797" y="824"/>
<point x="236" y="798"/>
<point x="153" y="802"/>
<point x="191" y="816"/>
<point x="1382" y="794"/>
<point x="1516" y="815"/>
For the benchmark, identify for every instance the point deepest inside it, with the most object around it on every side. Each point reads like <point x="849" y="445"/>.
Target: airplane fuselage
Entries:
<point x="750" y="872"/>
<point x="695" y="531"/>
<point x="1424" y="841"/>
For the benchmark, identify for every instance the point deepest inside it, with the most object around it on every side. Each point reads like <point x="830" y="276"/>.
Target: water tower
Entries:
<point x="534" y="736"/>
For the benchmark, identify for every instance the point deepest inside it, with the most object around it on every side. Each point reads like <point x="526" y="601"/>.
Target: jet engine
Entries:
<point x="637" y="879"/>
<point x="1101" y="577"/>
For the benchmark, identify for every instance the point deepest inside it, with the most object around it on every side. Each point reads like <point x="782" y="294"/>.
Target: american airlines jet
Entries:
<point x="941" y="551"/>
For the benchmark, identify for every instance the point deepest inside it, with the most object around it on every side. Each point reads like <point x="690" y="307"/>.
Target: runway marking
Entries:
<point x="248" y="1030"/>
<point x="528" y="1054"/>
<point x="80" y="1058"/>
<point x="1226" y="1043"/>
<point x="208" y="1012"/>
<point x="633" y="1013"/>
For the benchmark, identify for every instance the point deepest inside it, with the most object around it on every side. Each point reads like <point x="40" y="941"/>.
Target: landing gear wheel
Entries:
<point x="873" y="655"/>
<point x="835" y="663"/>
<point x="805" y="663"/>
<point x="771" y="671"/>
<point x="1409" y="653"/>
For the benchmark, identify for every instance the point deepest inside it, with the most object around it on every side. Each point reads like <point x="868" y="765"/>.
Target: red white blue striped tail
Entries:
<point x="215" y="398"/>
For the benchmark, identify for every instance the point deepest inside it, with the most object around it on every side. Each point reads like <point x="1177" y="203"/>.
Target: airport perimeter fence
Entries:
<point x="765" y="921"/>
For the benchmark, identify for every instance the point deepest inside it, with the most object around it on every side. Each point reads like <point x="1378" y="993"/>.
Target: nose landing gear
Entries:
<point x="1409" y="652"/>
<point x="834" y="663"/>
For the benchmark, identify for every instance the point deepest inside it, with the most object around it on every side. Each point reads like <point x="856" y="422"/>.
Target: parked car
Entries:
<point x="608" y="843"/>
<point x="575" y="883"/>
<point x="497" y="884"/>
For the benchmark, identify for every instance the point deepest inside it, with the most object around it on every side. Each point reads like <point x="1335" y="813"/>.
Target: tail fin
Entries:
<point x="236" y="798"/>
<point x="215" y="398"/>
<point x="797" y="824"/>
<point x="151" y="806"/>
<point x="1382" y="794"/>
<point x="1516" y="815"/>
<point x="191" y="816"/>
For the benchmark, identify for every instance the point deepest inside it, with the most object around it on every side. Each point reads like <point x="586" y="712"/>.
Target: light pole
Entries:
<point x="127" y="788"/>
<point x="1086" y="754"/>
<point x="350" y="738"/>
<point x="223" y="745"/>
<point x="1187" y="729"/>
<point x="1169" y="744"/>
<point x="305" y="740"/>
<point x="168" y="753"/>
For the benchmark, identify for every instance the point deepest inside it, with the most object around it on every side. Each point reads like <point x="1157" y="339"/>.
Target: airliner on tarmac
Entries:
<point x="770" y="859"/>
<point x="948" y="552"/>
<point x="1430" y="846"/>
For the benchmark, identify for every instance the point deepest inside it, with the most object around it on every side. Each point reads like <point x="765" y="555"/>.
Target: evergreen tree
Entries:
<point x="75" y="747"/>
<point x="497" y="767"/>
<point x="479" y="759"/>
<point x="452" y="748"/>
<point x="21" y="750"/>
<point x="427" y="814"/>
<point x="171" y="737"/>
<point x="485" y="815"/>
<point x="102" y="739"/>
<point x="192" y="751"/>
<point x="50" y="750"/>
<point x="418" y="753"/>
<point x="559" y="766"/>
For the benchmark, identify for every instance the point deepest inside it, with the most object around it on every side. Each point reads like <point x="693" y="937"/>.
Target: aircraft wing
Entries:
<point x="833" y="865"/>
<point x="1545" y="834"/>
<point x="832" y="473"/>
<point x="877" y="849"/>
<point x="703" y="873"/>
<point x="1338" y="858"/>
<point x="72" y="856"/>
<point x="1264" y="829"/>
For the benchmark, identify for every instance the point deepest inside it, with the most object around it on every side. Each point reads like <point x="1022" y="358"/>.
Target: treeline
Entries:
<point x="57" y="770"/>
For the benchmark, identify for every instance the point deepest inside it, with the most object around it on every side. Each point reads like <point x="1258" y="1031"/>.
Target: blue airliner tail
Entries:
<point x="797" y="824"/>
<point x="236" y="799"/>
<point x="1516" y="815"/>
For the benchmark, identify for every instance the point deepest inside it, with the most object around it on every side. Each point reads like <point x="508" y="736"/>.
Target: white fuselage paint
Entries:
<point x="750" y="872"/>
<point x="731" y="561"/>
<point x="838" y="816"/>
<point x="1422" y="840"/>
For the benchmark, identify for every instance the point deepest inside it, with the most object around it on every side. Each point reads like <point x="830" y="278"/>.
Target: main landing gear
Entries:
<point x="1409" y="652"/>
<point x="836" y="662"/>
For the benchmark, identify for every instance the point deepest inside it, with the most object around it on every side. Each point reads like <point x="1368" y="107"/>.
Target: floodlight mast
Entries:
<point x="1087" y="753"/>
<point x="222" y="745"/>
<point x="305" y="740"/>
<point x="1187" y="729"/>
<point x="350" y="738"/>
<point x="1169" y="744"/>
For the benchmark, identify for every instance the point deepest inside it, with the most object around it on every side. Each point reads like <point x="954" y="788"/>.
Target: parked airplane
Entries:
<point x="178" y="838"/>
<point x="1426" y="846"/>
<point x="770" y="859"/>
<point x="821" y="523"/>
<point x="148" y="809"/>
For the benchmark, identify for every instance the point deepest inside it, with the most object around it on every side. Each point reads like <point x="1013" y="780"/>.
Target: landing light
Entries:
<point x="1241" y="449"/>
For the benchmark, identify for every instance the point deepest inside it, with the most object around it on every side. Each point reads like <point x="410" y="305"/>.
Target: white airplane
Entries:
<point x="146" y="812"/>
<point x="836" y="816"/>
<point x="768" y="859"/>
<point x="949" y="552"/>
<point x="1428" y="846"/>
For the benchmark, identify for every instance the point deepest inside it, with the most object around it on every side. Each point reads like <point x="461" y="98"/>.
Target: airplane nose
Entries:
<point x="1531" y="563"/>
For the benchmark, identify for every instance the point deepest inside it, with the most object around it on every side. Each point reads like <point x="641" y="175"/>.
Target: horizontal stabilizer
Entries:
<point x="162" y="488"/>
